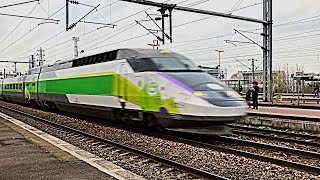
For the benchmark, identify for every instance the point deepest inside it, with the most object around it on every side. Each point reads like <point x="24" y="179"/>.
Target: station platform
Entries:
<point x="288" y="104"/>
<point x="22" y="159"/>
<point x="284" y="118"/>
<point x="311" y="113"/>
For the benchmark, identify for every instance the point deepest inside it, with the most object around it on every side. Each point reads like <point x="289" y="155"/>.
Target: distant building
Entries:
<point x="307" y="81"/>
<point x="279" y="78"/>
<point x="258" y="76"/>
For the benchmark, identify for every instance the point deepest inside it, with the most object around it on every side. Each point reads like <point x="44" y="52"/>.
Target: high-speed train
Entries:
<point x="156" y="87"/>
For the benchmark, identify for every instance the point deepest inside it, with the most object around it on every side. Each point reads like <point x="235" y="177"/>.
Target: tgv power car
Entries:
<point x="157" y="87"/>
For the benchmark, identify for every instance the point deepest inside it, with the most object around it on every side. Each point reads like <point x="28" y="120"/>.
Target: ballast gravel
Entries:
<point x="220" y="163"/>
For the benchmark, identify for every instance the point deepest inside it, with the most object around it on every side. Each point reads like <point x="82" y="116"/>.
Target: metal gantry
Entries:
<point x="267" y="34"/>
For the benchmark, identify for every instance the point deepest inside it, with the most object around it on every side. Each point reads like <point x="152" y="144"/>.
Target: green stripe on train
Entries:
<point x="109" y="85"/>
<point x="97" y="85"/>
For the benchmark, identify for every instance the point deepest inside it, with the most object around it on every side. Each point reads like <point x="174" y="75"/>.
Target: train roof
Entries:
<point x="146" y="53"/>
<point x="124" y="53"/>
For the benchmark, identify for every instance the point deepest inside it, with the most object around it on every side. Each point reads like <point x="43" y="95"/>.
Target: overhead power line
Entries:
<point x="19" y="24"/>
<point x="29" y="31"/>
<point x="16" y="4"/>
<point x="29" y="17"/>
<point x="235" y="6"/>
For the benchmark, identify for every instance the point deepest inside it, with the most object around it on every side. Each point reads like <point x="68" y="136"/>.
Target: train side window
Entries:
<point x="81" y="62"/>
<point x="105" y="57"/>
<point x="88" y="59"/>
<point x="113" y="55"/>
<point x="98" y="58"/>
<point x="91" y="60"/>
<point x="75" y="63"/>
<point x="84" y="61"/>
<point x="141" y="65"/>
<point x="20" y="86"/>
<point x="94" y="59"/>
<point x="33" y="84"/>
<point x="17" y="86"/>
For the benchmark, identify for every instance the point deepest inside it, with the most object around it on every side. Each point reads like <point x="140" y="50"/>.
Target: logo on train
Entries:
<point x="152" y="88"/>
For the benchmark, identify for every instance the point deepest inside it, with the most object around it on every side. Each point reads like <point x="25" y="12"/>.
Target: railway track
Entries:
<point x="305" y="139"/>
<point x="198" y="143"/>
<point x="108" y="144"/>
<point x="269" y="146"/>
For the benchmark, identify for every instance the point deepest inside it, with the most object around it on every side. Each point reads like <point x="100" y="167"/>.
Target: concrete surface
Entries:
<point x="20" y="159"/>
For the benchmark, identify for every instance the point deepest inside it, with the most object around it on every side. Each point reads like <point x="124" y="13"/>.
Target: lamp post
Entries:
<point x="219" y="51"/>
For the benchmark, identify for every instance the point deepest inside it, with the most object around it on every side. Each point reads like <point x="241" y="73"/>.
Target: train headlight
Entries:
<point x="200" y="94"/>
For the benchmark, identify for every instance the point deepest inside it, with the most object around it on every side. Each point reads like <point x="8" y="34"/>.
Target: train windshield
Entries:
<point x="163" y="64"/>
<point x="173" y="64"/>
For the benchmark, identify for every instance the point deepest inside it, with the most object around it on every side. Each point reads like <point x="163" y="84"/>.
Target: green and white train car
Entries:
<point x="156" y="87"/>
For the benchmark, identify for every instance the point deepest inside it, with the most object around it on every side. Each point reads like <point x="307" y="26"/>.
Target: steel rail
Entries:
<point x="306" y="136"/>
<point x="273" y="137"/>
<point x="269" y="146"/>
<point x="259" y="135"/>
<point x="168" y="162"/>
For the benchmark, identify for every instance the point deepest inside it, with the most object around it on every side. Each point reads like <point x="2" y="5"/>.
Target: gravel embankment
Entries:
<point x="227" y="165"/>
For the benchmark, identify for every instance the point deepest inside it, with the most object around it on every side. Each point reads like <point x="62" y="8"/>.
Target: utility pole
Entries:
<point x="267" y="51"/>
<point x="31" y="62"/>
<point x="40" y="55"/>
<point x="287" y="78"/>
<point x="219" y="51"/>
<point x="252" y="64"/>
<point x="76" y="52"/>
<point x="67" y="15"/>
<point x="15" y="68"/>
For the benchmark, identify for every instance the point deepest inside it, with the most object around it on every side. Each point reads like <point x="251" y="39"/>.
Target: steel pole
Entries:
<point x="252" y="69"/>
<point x="170" y="24"/>
<point x="67" y="15"/>
<point x="264" y="61"/>
<point x="270" y="80"/>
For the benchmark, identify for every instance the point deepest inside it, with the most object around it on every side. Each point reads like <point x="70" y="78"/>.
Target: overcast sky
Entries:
<point x="296" y="31"/>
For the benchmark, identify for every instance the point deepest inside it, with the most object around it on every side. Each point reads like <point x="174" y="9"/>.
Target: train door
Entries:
<point x="122" y="84"/>
<point x="140" y="98"/>
<point x="37" y="87"/>
<point x="24" y="94"/>
<point x="1" y="88"/>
